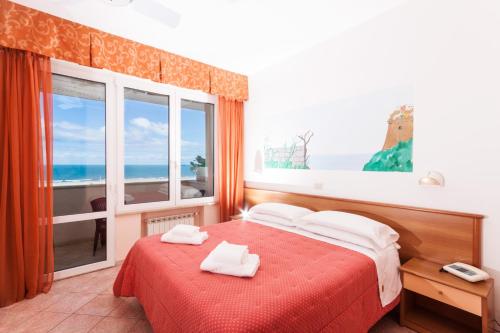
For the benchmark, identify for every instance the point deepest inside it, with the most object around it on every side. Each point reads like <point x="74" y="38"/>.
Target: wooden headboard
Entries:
<point x="435" y="235"/>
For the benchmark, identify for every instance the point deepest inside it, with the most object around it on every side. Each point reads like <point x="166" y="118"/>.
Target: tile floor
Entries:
<point x="86" y="303"/>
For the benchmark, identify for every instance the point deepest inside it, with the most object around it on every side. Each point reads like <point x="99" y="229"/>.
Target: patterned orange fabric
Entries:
<point x="124" y="56"/>
<point x="31" y="30"/>
<point x="228" y="84"/>
<point x="184" y="72"/>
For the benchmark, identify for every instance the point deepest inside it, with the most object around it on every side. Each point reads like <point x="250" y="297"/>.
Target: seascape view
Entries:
<point x="79" y="127"/>
<point x="70" y="173"/>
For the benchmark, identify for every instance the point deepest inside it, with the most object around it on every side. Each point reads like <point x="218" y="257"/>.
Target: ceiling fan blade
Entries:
<point x="157" y="11"/>
<point x="67" y="2"/>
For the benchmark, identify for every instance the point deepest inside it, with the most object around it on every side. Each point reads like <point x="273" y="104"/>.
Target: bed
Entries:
<point x="304" y="284"/>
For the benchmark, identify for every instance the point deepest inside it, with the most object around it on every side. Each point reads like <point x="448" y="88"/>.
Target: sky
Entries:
<point x="79" y="132"/>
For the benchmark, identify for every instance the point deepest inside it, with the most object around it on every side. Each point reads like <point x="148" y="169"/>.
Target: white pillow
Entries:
<point x="344" y="236"/>
<point x="284" y="211"/>
<point x="272" y="219"/>
<point x="379" y="234"/>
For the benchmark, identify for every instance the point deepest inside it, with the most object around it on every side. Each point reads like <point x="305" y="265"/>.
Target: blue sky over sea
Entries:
<point x="79" y="133"/>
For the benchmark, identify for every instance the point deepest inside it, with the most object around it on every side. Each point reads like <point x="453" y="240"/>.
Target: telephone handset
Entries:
<point x="466" y="272"/>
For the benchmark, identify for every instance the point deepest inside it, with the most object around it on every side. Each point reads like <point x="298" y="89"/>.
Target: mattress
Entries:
<point x="302" y="285"/>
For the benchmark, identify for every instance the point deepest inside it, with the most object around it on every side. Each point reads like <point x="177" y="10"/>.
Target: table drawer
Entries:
<point x="449" y="295"/>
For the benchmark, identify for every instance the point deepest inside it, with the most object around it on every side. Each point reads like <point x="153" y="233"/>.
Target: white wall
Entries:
<point x="451" y="51"/>
<point x="128" y="231"/>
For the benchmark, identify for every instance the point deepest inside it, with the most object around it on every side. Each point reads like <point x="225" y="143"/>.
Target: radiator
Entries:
<point x="162" y="224"/>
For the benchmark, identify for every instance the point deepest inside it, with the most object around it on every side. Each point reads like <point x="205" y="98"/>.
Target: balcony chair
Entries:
<point x="99" y="205"/>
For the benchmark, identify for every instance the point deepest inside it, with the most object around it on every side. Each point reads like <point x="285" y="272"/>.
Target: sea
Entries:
<point x="90" y="173"/>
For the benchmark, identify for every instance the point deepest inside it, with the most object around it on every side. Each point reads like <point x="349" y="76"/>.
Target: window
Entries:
<point x="122" y="144"/>
<point x="80" y="172"/>
<point x="166" y="146"/>
<point x="197" y="149"/>
<point x="79" y="158"/>
<point x="146" y="154"/>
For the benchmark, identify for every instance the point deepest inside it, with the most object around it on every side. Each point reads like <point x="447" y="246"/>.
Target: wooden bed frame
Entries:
<point x="434" y="235"/>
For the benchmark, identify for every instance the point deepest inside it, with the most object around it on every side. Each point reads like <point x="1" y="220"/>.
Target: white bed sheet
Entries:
<point x="387" y="262"/>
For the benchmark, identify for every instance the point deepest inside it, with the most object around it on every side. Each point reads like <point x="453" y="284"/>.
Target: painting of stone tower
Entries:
<point x="397" y="151"/>
<point x="400" y="127"/>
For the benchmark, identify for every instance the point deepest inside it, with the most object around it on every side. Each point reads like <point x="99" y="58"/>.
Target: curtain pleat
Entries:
<point x="26" y="247"/>
<point x="230" y="138"/>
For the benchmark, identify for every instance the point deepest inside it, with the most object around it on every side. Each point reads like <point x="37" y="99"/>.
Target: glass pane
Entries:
<point x="74" y="243"/>
<point x="146" y="147"/>
<point x="79" y="124"/>
<point x="197" y="149"/>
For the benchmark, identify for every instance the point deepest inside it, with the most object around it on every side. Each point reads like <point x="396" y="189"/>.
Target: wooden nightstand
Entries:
<point x="434" y="301"/>
<point x="236" y="217"/>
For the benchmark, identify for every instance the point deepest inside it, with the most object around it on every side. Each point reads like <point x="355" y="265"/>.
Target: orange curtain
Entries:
<point x="230" y="138"/>
<point x="26" y="249"/>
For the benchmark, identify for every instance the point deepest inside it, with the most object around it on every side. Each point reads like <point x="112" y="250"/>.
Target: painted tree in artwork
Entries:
<point x="305" y="140"/>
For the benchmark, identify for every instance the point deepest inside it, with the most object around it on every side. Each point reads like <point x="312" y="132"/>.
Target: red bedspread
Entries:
<point x="302" y="285"/>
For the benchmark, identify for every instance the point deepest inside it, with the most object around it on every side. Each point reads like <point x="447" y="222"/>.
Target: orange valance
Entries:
<point x="184" y="72"/>
<point x="124" y="56"/>
<point x="31" y="30"/>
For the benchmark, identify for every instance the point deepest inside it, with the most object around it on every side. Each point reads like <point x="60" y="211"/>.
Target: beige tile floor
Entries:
<point x="86" y="304"/>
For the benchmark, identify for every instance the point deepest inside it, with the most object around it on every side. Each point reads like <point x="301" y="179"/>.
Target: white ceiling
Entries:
<point x="240" y="35"/>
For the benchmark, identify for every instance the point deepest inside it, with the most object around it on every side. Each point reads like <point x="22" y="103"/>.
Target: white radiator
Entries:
<point x="160" y="225"/>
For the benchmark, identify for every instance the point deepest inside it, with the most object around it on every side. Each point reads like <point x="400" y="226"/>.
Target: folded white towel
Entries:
<point x="230" y="254"/>
<point x="196" y="239"/>
<point x="246" y="270"/>
<point x="231" y="259"/>
<point x="185" y="230"/>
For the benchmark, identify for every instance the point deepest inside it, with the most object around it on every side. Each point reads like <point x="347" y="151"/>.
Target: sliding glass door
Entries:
<point x="83" y="218"/>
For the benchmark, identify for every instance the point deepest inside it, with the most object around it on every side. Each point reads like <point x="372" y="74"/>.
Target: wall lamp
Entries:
<point x="433" y="178"/>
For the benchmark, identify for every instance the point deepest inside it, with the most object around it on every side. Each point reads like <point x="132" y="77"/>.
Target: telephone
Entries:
<point x="466" y="272"/>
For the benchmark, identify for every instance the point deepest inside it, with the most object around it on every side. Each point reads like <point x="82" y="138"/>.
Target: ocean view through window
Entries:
<point x="79" y="125"/>
<point x="146" y="150"/>
<point x="197" y="148"/>
<point x="155" y="129"/>
<point x="79" y="144"/>
<point x="71" y="173"/>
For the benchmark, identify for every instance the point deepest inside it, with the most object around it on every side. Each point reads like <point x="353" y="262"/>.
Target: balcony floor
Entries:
<point x="77" y="254"/>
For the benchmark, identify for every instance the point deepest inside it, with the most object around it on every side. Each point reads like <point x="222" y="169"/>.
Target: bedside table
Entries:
<point x="434" y="301"/>
<point x="236" y="217"/>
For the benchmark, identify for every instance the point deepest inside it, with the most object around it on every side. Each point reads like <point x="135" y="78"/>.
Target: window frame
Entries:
<point x="115" y="140"/>
<point x="65" y="68"/>
<point x="176" y="94"/>
<point x="115" y="145"/>
<point x="201" y="97"/>
<point x="123" y="82"/>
